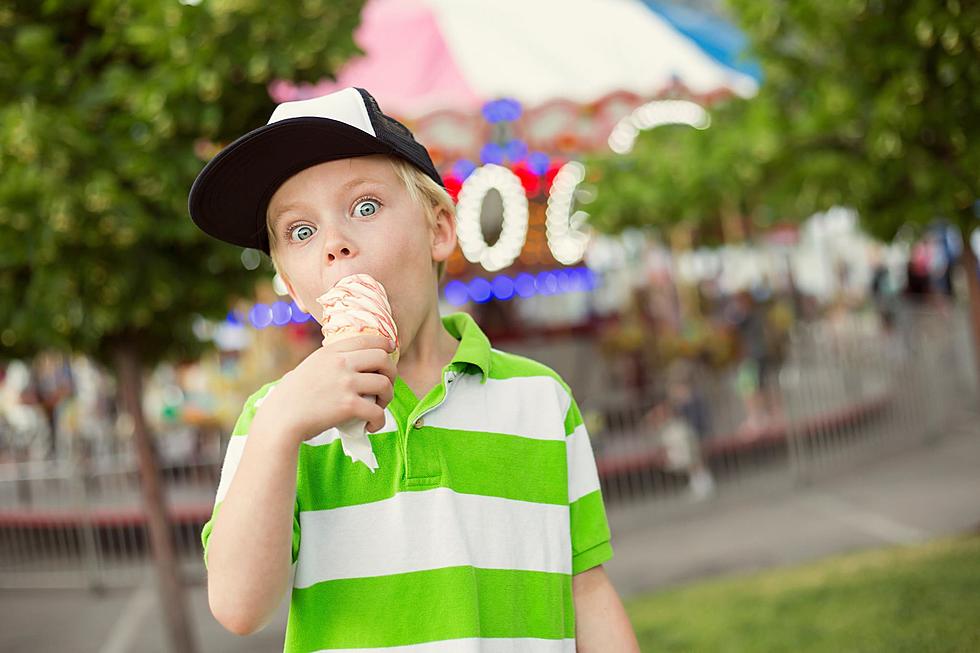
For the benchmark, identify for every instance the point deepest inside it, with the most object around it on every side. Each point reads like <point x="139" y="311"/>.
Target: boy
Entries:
<point x="483" y="528"/>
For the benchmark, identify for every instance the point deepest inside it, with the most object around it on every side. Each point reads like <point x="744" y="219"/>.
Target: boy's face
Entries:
<point x="355" y="216"/>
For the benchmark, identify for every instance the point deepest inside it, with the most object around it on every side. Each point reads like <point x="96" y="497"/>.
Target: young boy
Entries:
<point x="483" y="528"/>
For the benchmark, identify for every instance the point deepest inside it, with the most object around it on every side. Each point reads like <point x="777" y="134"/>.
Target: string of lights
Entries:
<point x="479" y="290"/>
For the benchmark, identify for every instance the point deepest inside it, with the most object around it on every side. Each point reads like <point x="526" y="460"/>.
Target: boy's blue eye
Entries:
<point x="299" y="229"/>
<point x="366" y="208"/>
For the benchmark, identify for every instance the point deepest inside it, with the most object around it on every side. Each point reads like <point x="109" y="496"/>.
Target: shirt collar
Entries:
<point x="474" y="347"/>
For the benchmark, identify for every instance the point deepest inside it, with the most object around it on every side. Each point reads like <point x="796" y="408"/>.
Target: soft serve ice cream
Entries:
<point x="355" y="306"/>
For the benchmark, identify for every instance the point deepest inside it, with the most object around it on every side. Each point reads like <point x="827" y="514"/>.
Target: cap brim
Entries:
<point x="229" y="197"/>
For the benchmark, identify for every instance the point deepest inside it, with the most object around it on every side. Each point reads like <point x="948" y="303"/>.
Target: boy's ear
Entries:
<point x="443" y="235"/>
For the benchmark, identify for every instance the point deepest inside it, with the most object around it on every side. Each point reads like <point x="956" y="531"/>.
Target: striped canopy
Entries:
<point x="425" y="56"/>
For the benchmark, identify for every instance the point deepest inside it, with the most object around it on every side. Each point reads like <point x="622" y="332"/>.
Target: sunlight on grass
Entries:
<point x="914" y="599"/>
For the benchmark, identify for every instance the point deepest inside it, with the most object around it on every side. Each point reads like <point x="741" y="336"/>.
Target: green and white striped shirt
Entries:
<point x="465" y="539"/>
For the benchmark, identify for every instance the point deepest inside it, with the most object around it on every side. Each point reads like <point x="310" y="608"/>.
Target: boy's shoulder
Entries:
<point x="507" y="365"/>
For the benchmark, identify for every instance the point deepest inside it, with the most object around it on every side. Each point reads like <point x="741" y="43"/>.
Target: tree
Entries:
<point x="108" y="111"/>
<point x="678" y="174"/>
<point x="868" y="103"/>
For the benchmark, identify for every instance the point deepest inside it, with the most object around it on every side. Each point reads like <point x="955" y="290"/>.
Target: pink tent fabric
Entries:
<point x="398" y="71"/>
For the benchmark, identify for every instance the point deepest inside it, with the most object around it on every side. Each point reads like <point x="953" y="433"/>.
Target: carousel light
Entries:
<point x="551" y="173"/>
<point x="565" y="237"/>
<point x="546" y="283"/>
<point x="480" y="290"/>
<point x="282" y="313"/>
<point x="524" y="285"/>
<point x="588" y="278"/>
<point x="492" y="153"/>
<point x="453" y="184"/>
<point x="655" y="114"/>
<point x="503" y="287"/>
<point x="250" y="258"/>
<point x="457" y="293"/>
<point x="279" y="285"/>
<point x="529" y="180"/>
<point x="514" y="230"/>
<point x="502" y="110"/>
<point x="260" y="316"/>
<point x="299" y="315"/>
<point x="564" y="280"/>
<point x="463" y="168"/>
<point x="516" y="149"/>
<point x="538" y="162"/>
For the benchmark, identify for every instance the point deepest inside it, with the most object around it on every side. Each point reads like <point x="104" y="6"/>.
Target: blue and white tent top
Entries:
<point x="423" y="56"/>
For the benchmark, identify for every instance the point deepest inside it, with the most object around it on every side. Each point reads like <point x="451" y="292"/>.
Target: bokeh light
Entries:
<point x="260" y="316"/>
<point x="524" y="285"/>
<point x="456" y="293"/>
<point x="281" y="313"/>
<point x="480" y="290"/>
<point x="503" y="287"/>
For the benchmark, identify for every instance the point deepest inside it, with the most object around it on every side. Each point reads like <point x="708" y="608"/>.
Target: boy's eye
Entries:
<point x="366" y="208"/>
<point x="299" y="229"/>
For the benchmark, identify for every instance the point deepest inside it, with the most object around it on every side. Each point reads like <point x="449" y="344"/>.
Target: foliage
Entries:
<point x="107" y="113"/>
<point x="868" y="103"/>
<point x="678" y="174"/>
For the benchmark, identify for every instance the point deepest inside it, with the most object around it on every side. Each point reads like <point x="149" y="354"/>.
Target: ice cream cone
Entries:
<point x="357" y="305"/>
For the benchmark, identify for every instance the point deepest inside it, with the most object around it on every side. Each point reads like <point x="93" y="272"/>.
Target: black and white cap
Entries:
<point x="230" y="195"/>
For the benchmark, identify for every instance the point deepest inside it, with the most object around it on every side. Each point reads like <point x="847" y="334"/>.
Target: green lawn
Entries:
<point x="907" y="599"/>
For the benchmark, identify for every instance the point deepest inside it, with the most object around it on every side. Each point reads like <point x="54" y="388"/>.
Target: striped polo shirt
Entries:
<point x="486" y="502"/>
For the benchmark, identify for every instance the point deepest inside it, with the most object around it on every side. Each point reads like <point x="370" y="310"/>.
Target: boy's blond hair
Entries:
<point x="421" y="188"/>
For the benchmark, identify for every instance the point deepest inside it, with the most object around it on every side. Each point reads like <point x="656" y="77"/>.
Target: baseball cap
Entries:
<point x="230" y="196"/>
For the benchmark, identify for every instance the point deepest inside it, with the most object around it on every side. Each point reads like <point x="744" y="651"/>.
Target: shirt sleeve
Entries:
<point x="233" y="455"/>
<point x="591" y="544"/>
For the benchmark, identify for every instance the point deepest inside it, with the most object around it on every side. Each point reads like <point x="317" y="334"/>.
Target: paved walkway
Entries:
<point x="905" y="498"/>
<point x="919" y="494"/>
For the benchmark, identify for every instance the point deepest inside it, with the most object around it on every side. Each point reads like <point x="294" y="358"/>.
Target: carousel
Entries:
<point x="507" y="98"/>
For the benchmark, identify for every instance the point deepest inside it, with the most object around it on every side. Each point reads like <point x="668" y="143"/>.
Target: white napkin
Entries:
<point x="355" y="441"/>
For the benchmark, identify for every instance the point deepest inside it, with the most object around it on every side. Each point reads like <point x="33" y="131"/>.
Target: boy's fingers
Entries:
<point x="371" y="360"/>
<point x="371" y="413"/>
<point x="367" y="341"/>
<point x="375" y="384"/>
<point x="389" y="369"/>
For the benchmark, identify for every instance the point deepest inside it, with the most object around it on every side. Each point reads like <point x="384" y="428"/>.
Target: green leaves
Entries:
<point x="102" y="108"/>
<point x="869" y="103"/>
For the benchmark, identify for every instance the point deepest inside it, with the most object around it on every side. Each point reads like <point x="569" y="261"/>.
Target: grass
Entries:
<point x="917" y="599"/>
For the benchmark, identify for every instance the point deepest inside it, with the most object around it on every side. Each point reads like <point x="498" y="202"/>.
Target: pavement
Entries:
<point x="925" y="492"/>
<point x="922" y="493"/>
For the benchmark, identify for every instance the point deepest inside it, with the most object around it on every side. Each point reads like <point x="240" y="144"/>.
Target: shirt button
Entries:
<point x="419" y="423"/>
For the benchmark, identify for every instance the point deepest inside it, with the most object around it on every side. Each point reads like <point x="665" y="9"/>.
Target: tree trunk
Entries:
<point x="129" y="373"/>
<point x="973" y="286"/>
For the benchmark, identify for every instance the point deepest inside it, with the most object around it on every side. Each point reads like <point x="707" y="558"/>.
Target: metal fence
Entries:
<point x="74" y="524"/>
<point x="845" y="393"/>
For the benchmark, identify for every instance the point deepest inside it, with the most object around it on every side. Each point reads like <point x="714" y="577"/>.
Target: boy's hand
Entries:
<point x="329" y="388"/>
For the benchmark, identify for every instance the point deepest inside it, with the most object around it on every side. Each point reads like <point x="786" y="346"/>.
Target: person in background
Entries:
<point x="680" y="421"/>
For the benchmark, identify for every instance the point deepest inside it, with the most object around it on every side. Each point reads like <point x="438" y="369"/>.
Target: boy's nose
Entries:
<point x="334" y="253"/>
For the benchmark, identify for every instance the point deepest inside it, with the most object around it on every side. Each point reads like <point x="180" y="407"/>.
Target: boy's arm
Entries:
<point x="601" y="623"/>
<point x="248" y="551"/>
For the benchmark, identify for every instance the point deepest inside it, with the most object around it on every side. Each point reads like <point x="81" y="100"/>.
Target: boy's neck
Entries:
<point x="421" y="360"/>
